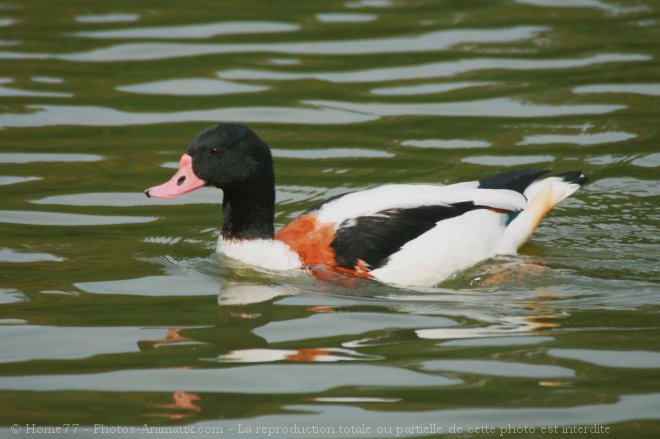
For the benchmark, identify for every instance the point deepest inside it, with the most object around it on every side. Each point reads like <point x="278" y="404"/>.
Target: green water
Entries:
<point x="114" y="309"/>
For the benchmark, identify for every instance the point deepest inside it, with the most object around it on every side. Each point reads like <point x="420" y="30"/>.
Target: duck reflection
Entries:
<point x="242" y="307"/>
<point x="183" y="401"/>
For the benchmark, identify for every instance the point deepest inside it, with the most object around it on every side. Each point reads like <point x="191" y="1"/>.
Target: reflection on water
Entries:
<point x="107" y="18"/>
<point x="572" y="4"/>
<point x="498" y="368"/>
<point x="267" y="379"/>
<point x="14" y="92"/>
<point x="437" y="421"/>
<point x="175" y="284"/>
<point x="428" y="42"/>
<point x="206" y="196"/>
<point x="509" y="160"/>
<point x="182" y="401"/>
<point x="115" y="309"/>
<point x="498" y="107"/>
<point x="578" y="139"/>
<point x="191" y="87"/>
<point x="193" y="31"/>
<point x="66" y="343"/>
<point x="648" y="161"/>
<point x="369" y="4"/>
<point x="642" y="89"/>
<point x="436" y="70"/>
<point x="28" y="157"/>
<point x="68" y="219"/>
<point x="53" y="115"/>
<point x="6" y="179"/>
<point x="332" y="324"/>
<point x="308" y="154"/>
<point x="345" y="17"/>
<point x="9" y="255"/>
<point x="323" y="355"/>
<point x="47" y="79"/>
<point x="425" y="89"/>
<point x="625" y="359"/>
<point x="446" y="144"/>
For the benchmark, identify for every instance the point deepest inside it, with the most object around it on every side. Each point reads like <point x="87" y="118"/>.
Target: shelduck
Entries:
<point x="402" y="234"/>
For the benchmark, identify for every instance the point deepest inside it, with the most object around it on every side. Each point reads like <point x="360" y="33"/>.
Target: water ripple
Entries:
<point x="427" y="42"/>
<point x="202" y="196"/>
<point x="52" y="115"/>
<point x="258" y="379"/>
<point x="191" y="87"/>
<point x="578" y="139"/>
<point x="335" y="324"/>
<point x="14" y="92"/>
<point x="6" y="22"/>
<point x="498" y="368"/>
<point x="345" y="17"/>
<point x="68" y="219"/>
<point x="34" y="157"/>
<point x="595" y="4"/>
<point x="107" y="18"/>
<point x="648" y="161"/>
<point x="6" y="179"/>
<point x="425" y="89"/>
<point x="623" y="359"/>
<point x="192" y="31"/>
<point x="446" y="144"/>
<point x="641" y="89"/>
<point x="517" y="340"/>
<point x="51" y="342"/>
<point x="167" y="285"/>
<point x="9" y="255"/>
<point x="505" y="421"/>
<point x="496" y="107"/>
<point x="330" y="153"/>
<point x="437" y="70"/>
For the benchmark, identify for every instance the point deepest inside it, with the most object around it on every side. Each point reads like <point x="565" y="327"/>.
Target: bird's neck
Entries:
<point x="249" y="211"/>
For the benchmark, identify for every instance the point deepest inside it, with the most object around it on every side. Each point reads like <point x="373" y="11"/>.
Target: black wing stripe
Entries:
<point x="373" y="238"/>
<point x="514" y="180"/>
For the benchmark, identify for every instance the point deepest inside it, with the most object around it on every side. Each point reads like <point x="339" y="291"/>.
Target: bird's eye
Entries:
<point x="214" y="151"/>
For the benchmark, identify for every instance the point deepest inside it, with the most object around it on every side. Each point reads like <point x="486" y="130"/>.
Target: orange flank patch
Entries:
<point x="321" y="308"/>
<point x="311" y="354"/>
<point x="312" y="240"/>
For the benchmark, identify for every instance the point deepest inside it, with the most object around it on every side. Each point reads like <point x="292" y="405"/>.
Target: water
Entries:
<point x="114" y="309"/>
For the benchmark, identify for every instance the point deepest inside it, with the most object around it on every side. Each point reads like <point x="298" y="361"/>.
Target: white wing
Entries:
<point x="378" y="199"/>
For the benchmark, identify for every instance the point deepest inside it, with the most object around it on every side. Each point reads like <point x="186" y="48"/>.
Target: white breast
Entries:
<point x="267" y="254"/>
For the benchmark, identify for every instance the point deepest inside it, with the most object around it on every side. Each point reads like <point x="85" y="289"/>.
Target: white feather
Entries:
<point x="560" y="188"/>
<point x="378" y="199"/>
<point x="268" y="254"/>
<point x="553" y="190"/>
<point x="451" y="246"/>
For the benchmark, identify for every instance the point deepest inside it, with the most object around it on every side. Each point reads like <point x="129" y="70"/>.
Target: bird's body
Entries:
<point x="404" y="234"/>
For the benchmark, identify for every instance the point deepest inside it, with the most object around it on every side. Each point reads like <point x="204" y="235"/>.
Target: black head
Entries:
<point x="233" y="158"/>
<point x="230" y="155"/>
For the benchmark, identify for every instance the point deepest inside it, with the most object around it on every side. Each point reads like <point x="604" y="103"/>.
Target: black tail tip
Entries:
<point x="575" y="177"/>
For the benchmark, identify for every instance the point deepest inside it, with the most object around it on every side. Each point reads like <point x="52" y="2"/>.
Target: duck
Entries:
<point x="398" y="234"/>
